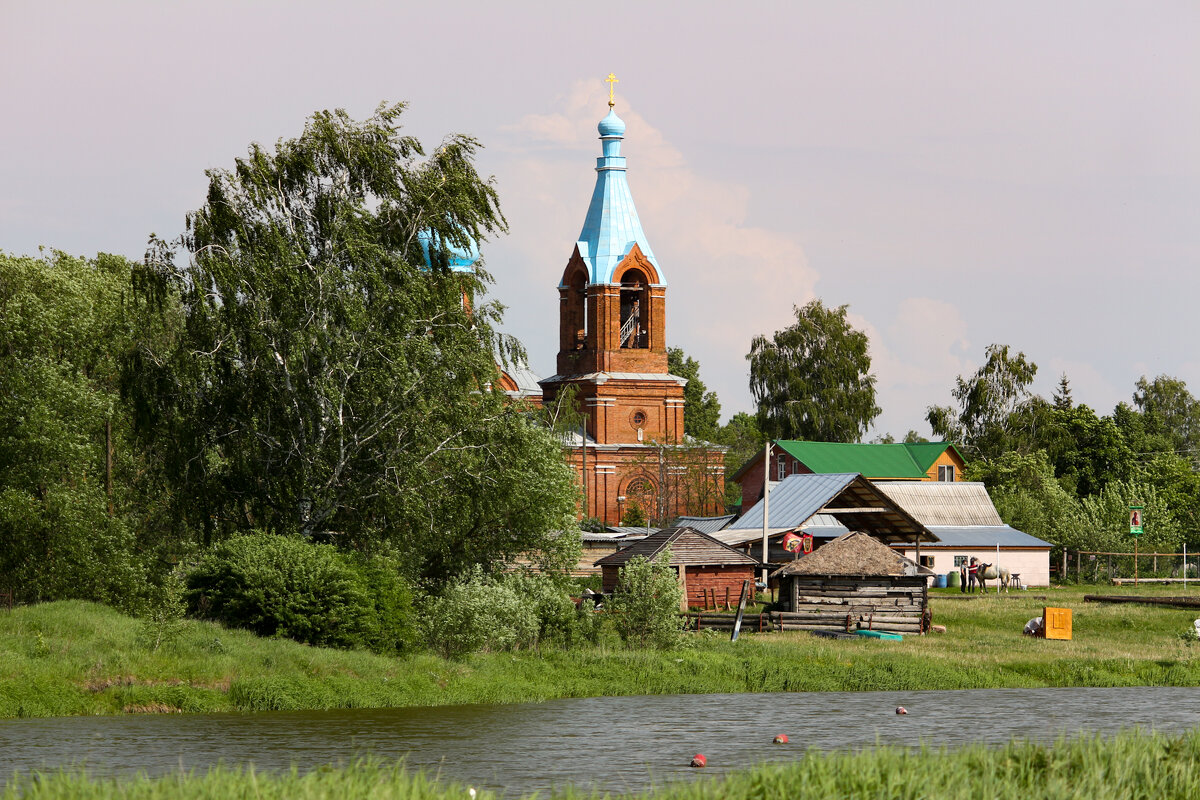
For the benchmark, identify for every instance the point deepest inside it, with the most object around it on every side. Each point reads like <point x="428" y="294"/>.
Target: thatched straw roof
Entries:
<point x="854" y="554"/>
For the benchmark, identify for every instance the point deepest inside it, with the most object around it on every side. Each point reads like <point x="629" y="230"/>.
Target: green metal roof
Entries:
<point x="899" y="460"/>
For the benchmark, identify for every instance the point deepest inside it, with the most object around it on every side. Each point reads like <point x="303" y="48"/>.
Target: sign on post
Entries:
<point x="1135" y="520"/>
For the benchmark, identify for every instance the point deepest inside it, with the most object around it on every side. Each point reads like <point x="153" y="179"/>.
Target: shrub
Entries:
<point x="645" y="605"/>
<point x="392" y="626"/>
<point x="293" y="588"/>
<point x="559" y="621"/>
<point x="64" y="546"/>
<point x="478" y="613"/>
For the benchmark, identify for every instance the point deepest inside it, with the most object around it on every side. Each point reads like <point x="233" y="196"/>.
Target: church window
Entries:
<point x="641" y="492"/>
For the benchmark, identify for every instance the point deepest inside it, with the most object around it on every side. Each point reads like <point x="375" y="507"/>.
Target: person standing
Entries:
<point x="973" y="573"/>
<point x="962" y="577"/>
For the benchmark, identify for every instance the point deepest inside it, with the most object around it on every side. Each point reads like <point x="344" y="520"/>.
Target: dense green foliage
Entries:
<point x="701" y="408"/>
<point x="1068" y="475"/>
<point x="71" y="507"/>
<point x="519" y="610"/>
<point x="286" y="586"/>
<point x="326" y="378"/>
<point x="812" y="380"/>
<point x="645" y="605"/>
<point x="289" y="405"/>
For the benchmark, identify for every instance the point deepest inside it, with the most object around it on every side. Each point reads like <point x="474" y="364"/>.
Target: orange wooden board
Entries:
<point x="1057" y="622"/>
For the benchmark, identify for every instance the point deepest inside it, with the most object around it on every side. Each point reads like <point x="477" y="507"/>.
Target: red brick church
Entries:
<point x="613" y="349"/>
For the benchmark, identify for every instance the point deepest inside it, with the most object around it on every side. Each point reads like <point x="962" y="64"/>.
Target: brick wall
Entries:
<point x="698" y="579"/>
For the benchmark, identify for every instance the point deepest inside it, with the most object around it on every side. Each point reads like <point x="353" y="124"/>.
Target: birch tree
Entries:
<point x="331" y="376"/>
<point x="812" y="380"/>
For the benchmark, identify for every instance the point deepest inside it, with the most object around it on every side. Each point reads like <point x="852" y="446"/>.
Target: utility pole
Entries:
<point x="766" y="503"/>
<point x="583" y="475"/>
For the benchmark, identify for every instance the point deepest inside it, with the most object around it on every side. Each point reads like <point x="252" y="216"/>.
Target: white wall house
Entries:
<point x="966" y="523"/>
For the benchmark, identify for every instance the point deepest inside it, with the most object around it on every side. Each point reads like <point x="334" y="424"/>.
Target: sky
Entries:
<point x="958" y="174"/>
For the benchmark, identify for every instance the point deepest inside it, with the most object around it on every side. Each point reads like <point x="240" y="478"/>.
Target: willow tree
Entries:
<point x="812" y="380"/>
<point x="331" y="373"/>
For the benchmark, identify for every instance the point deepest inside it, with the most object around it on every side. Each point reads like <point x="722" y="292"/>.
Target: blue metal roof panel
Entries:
<point x="703" y="524"/>
<point x="612" y="227"/>
<point x="794" y="500"/>
<point x="982" y="536"/>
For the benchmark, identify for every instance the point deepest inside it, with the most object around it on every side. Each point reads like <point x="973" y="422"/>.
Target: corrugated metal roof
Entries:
<point x="688" y="546"/>
<point x="632" y="530"/>
<point x="910" y="460"/>
<point x="795" y="500"/>
<point x="956" y="503"/>
<point x="709" y="525"/>
<point x="983" y="536"/>
<point x="852" y="500"/>
<point x="525" y="379"/>
<point x="592" y="536"/>
<point x="900" y="460"/>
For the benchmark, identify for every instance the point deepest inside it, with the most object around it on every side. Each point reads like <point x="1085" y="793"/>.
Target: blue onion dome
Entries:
<point x="612" y="125"/>
<point x="461" y="259"/>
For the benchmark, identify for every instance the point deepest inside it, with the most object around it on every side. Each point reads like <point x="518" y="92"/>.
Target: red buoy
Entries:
<point x="901" y="710"/>
<point x="781" y="739"/>
<point x="699" y="760"/>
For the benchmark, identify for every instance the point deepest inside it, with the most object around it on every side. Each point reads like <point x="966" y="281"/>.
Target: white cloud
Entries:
<point x="915" y="357"/>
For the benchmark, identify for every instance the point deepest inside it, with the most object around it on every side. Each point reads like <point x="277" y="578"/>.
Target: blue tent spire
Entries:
<point x="611" y="227"/>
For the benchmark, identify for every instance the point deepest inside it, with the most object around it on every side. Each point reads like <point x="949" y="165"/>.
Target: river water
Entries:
<point x="619" y="744"/>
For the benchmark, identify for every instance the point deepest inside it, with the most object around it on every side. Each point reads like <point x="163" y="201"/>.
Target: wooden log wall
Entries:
<point x="848" y="604"/>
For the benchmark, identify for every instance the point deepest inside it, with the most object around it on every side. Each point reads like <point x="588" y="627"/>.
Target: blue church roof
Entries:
<point x="462" y="259"/>
<point x="612" y="227"/>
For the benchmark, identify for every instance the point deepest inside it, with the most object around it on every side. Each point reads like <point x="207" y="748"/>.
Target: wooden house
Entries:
<point x="854" y="582"/>
<point x="702" y="563"/>
<point x="962" y="516"/>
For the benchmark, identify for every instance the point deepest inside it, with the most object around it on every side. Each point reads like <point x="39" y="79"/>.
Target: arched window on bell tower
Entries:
<point x="576" y="310"/>
<point x="635" y="307"/>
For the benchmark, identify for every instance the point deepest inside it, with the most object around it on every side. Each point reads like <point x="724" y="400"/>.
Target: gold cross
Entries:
<point x="611" y="80"/>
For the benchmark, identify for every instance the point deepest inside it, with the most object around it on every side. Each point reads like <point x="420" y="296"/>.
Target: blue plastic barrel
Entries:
<point x="940" y="583"/>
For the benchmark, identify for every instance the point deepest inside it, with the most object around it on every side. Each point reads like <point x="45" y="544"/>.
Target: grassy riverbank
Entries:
<point x="80" y="658"/>
<point x="1130" y="765"/>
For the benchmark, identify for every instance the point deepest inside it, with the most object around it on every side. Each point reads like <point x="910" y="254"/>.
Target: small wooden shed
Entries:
<point x="854" y="582"/>
<point x="702" y="563"/>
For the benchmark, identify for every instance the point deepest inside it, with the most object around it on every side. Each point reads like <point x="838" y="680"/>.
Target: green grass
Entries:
<point x="1128" y="766"/>
<point x="80" y="658"/>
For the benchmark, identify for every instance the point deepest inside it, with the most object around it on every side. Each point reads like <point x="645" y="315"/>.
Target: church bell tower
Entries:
<point x="612" y="323"/>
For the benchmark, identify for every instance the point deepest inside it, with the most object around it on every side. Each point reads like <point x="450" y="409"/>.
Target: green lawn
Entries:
<point x="80" y="658"/>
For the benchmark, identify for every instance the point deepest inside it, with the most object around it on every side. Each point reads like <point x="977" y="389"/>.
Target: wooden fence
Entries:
<point x="1096" y="566"/>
